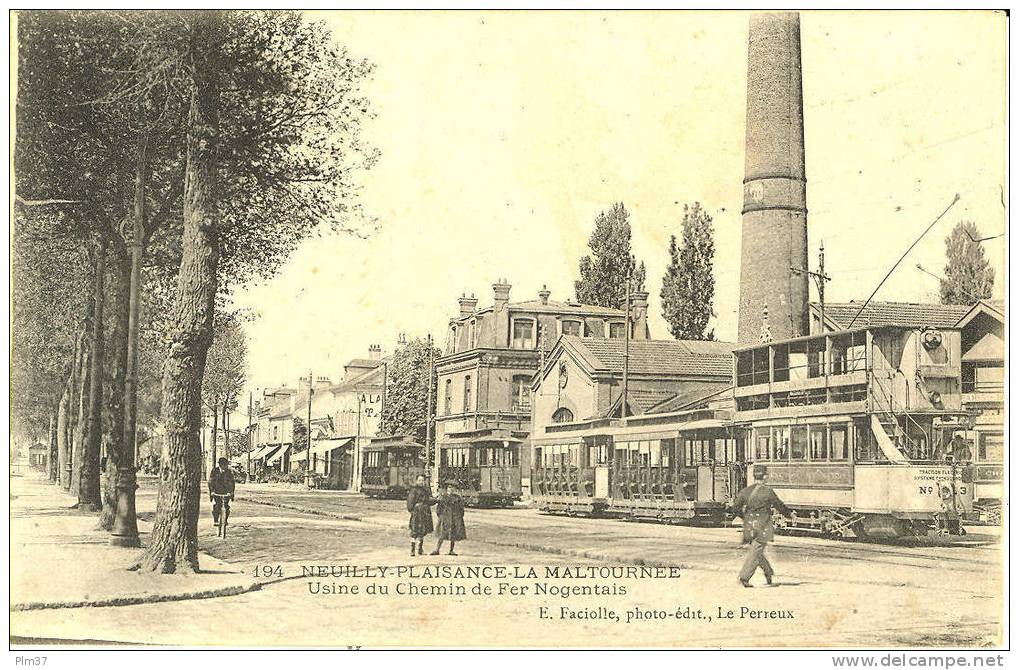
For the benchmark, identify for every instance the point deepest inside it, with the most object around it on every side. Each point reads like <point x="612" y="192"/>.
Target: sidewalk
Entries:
<point x="60" y="559"/>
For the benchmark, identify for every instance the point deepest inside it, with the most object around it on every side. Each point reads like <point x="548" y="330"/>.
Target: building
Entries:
<point x="582" y="378"/>
<point x="982" y="350"/>
<point x="491" y="354"/>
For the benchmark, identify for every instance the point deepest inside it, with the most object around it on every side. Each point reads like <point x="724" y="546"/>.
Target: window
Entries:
<point x="523" y="334"/>
<point x="798" y="443"/>
<point x="521" y="398"/>
<point x="837" y="442"/>
<point x="818" y="443"/>
<point x="992" y="447"/>
<point x="617" y="330"/>
<point x="780" y="438"/>
<point x="762" y="446"/>
<point x="451" y="344"/>
<point x="562" y="415"/>
<point x="448" y="399"/>
<point x="467" y="394"/>
<point x="864" y="441"/>
<point x="571" y="328"/>
<point x="472" y="335"/>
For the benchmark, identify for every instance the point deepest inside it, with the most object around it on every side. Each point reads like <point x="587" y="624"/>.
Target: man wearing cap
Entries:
<point x="755" y="504"/>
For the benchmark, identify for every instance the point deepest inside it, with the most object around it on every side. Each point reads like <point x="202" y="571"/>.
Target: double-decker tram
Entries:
<point x="858" y="430"/>
<point x="391" y="465"/>
<point x="484" y="465"/>
<point x="661" y="467"/>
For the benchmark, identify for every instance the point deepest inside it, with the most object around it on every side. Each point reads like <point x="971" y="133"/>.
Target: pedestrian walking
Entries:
<point x="450" y="514"/>
<point x="755" y="504"/>
<point x="221" y="483"/>
<point x="419" y="504"/>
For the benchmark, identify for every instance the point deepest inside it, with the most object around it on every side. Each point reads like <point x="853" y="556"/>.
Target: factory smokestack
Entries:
<point x="775" y="184"/>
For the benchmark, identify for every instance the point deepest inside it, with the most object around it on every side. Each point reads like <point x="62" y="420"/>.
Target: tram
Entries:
<point x="857" y="428"/>
<point x="681" y="466"/>
<point x="483" y="465"/>
<point x="391" y="465"/>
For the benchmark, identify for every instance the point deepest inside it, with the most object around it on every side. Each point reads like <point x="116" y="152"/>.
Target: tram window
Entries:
<point x="838" y="443"/>
<point x="815" y="357"/>
<point x="818" y="443"/>
<point x="762" y="449"/>
<point x="781" y="362"/>
<point x="655" y="453"/>
<point x="864" y="442"/>
<point x="799" y="437"/>
<point x="644" y="453"/>
<point x="744" y="368"/>
<point x="512" y="456"/>
<point x="597" y="454"/>
<point x="485" y="457"/>
<point x="780" y="442"/>
<point x="720" y="455"/>
<point x="798" y="360"/>
<point x="762" y="365"/>
<point x="992" y="447"/>
<point x="668" y="447"/>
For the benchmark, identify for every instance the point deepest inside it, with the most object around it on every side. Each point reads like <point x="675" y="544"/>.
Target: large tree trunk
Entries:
<point x="81" y="410"/>
<point x="174" y="541"/>
<point x="116" y="348"/>
<point x="89" y="497"/>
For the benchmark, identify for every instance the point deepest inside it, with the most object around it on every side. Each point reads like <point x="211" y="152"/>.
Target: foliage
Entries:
<point x="603" y="273"/>
<point x="407" y="379"/>
<point x="300" y="435"/>
<point x="969" y="276"/>
<point x="226" y="364"/>
<point x="688" y="287"/>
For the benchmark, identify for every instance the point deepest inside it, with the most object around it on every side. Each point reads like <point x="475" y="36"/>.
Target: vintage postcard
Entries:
<point x="510" y="329"/>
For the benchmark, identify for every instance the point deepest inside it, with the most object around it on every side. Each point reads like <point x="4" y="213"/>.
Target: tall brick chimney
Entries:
<point x="638" y="311"/>
<point x="775" y="184"/>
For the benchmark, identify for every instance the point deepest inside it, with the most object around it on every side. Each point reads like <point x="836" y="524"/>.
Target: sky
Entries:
<point x="503" y="134"/>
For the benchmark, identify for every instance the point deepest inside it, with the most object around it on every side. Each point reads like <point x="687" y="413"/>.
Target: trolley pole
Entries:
<point x="626" y="352"/>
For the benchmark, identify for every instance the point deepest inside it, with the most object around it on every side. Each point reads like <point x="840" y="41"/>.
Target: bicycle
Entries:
<point x="223" y="513"/>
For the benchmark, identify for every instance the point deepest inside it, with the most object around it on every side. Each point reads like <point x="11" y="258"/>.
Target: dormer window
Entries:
<point x="617" y="330"/>
<point x="472" y="335"/>
<point x="572" y="328"/>
<point x="523" y="334"/>
<point x="451" y="348"/>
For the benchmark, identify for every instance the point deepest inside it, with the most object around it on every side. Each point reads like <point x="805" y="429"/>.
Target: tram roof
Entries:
<point x="393" y="442"/>
<point x="835" y="333"/>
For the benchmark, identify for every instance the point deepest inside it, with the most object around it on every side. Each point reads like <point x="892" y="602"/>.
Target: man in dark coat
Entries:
<point x="221" y="483"/>
<point x="419" y="504"/>
<point x="755" y="504"/>
<point x="450" y="512"/>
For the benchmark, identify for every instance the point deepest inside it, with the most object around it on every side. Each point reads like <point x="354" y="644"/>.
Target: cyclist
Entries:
<point x="221" y="483"/>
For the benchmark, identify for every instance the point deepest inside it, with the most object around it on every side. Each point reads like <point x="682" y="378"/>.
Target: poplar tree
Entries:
<point x="969" y="276"/>
<point x="604" y="271"/>
<point x="688" y="287"/>
<point x="405" y="411"/>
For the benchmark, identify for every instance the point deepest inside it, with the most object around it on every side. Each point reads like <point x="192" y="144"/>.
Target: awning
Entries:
<point x="278" y="456"/>
<point x="263" y="452"/>
<point x="324" y="447"/>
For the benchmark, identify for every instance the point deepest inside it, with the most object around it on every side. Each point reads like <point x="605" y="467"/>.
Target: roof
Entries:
<point x="374" y="377"/>
<point x="690" y="398"/>
<point x="655" y="357"/>
<point x="550" y="307"/>
<point x="841" y="314"/>
<point x="638" y="401"/>
<point x="989" y="348"/>
<point x="363" y="363"/>
<point x="993" y="308"/>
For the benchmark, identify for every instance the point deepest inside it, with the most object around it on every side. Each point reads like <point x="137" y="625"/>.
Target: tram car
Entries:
<point x="391" y="465"/>
<point x="483" y="465"/>
<point x="675" y="467"/>
<point x="858" y="430"/>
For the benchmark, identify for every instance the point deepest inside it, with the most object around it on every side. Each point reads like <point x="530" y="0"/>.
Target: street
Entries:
<point x="841" y="594"/>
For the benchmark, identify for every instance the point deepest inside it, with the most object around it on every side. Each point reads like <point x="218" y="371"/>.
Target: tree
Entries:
<point x="225" y="372"/>
<point x="688" y="287"/>
<point x="272" y="142"/>
<point x="969" y="276"/>
<point x="603" y="273"/>
<point x="405" y="411"/>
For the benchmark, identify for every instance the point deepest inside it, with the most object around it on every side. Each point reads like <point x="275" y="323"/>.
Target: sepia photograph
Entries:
<point x="509" y="329"/>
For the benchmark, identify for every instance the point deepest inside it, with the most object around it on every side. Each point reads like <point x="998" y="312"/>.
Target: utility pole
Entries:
<point x="307" y="430"/>
<point x="251" y="435"/>
<point x="820" y="279"/>
<point x="626" y="352"/>
<point x="430" y="454"/>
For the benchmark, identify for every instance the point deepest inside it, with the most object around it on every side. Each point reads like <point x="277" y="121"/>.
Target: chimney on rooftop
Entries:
<point x="638" y="311"/>
<point x="467" y="305"/>
<point x="501" y="289"/>
<point x="544" y="294"/>
<point x="374" y="352"/>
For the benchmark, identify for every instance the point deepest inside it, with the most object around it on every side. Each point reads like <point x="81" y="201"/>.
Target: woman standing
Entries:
<point x="419" y="504"/>
<point x="451" y="519"/>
